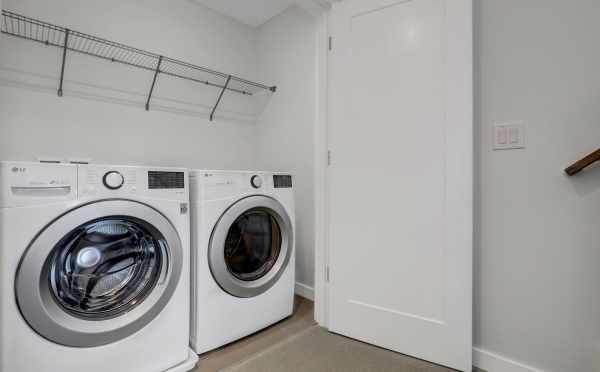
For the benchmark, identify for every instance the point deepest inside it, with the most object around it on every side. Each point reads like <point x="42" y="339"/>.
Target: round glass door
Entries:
<point x="99" y="273"/>
<point x="105" y="268"/>
<point x="250" y="246"/>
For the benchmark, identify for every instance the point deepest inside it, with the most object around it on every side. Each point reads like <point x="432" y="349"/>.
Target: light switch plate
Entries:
<point x="508" y="136"/>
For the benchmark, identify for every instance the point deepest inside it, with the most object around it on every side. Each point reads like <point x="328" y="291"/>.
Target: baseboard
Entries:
<point x="492" y="362"/>
<point x="305" y="291"/>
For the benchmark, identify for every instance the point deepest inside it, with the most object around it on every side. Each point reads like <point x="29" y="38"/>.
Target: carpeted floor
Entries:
<point x="317" y="350"/>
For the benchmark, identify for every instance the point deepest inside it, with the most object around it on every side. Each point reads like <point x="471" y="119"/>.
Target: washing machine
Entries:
<point x="94" y="269"/>
<point x="242" y="254"/>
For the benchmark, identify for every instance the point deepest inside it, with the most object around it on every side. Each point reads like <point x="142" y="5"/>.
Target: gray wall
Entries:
<point x="537" y="267"/>
<point x="101" y="116"/>
<point x="285" y="129"/>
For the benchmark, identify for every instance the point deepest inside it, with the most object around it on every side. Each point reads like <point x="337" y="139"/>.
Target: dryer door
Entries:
<point x="251" y="246"/>
<point x="99" y="273"/>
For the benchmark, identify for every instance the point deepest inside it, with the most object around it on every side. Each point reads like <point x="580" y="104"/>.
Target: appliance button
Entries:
<point x="256" y="181"/>
<point x="113" y="180"/>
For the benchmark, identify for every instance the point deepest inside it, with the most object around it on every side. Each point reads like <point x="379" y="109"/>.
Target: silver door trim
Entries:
<point x="216" y="256"/>
<point x="45" y="316"/>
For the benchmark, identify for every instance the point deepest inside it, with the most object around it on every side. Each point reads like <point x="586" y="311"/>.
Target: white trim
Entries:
<point x="305" y="291"/>
<point x="320" y="175"/>
<point x="492" y="362"/>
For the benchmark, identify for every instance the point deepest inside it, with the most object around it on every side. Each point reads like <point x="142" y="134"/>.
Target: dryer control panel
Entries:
<point x="97" y="181"/>
<point x="215" y="185"/>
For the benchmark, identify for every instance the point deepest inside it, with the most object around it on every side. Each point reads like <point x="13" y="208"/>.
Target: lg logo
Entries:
<point x="19" y="170"/>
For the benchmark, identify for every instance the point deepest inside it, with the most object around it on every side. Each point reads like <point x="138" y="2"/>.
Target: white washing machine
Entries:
<point x="94" y="269"/>
<point x="243" y="243"/>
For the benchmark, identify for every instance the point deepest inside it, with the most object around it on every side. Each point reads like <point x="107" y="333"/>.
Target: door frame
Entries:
<point x="321" y="160"/>
<point x="322" y="123"/>
<point x="320" y="10"/>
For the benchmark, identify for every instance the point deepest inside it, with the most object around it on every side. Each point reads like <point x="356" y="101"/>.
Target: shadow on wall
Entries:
<point x="588" y="181"/>
<point x="36" y="67"/>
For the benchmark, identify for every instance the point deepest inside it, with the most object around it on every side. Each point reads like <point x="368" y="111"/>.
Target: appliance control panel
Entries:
<point x="25" y="183"/>
<point x="97" y="181"/>
<point x="214" y="185"/>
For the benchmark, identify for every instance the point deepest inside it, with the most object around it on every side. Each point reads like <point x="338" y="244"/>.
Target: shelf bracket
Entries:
<point x="153" y="82"/>
<point x="212" y="114"/>
<point x="64" y="60"/>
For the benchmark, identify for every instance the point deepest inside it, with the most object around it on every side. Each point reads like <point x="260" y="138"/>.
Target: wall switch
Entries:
<point x="508" y="136"/>
<point x="501" y="134"/>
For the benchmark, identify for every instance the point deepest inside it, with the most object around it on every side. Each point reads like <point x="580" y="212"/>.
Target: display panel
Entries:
<point x="282" y="181"/>
<point x="166" y="180"/>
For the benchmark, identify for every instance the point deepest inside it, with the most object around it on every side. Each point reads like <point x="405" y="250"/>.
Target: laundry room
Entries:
<point x="299" y="185"/>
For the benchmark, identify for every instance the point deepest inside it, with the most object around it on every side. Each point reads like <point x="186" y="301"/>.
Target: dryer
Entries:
<point x="242" y="254"/>
<point x="94" y="268"/>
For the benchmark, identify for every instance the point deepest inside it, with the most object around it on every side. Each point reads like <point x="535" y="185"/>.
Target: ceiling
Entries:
<point x="251" y="12"/>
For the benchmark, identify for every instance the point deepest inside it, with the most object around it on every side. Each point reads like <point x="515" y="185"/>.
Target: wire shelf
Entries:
<point x="17" y="25"/>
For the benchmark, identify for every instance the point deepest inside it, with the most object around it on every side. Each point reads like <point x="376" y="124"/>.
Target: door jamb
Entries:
<point x="321" y="164"/>
<point x="320" y="10"/>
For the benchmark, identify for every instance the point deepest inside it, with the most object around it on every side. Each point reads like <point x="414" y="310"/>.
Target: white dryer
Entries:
<point x="242" y="254"/>
<point x="94" y="269"/>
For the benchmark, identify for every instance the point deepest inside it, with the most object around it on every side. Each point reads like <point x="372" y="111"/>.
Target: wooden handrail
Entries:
<point x="583" y="163"/>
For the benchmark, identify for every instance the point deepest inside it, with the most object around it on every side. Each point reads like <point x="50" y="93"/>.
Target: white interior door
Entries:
<point x="401" y="174"/>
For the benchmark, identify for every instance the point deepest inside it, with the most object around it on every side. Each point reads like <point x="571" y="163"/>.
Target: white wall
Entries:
<point x="537" y="265"/>
<point x="287" y="57"/>
<point x="101" y="116"/>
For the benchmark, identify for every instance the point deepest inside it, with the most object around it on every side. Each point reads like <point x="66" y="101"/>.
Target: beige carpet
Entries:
<point x="316" y="350"/>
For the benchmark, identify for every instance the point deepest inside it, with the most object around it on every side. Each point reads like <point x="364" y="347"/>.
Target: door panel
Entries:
<point x="99" y="273"/>
<point x="250" y="246"/>
<point x="400" y="182"/>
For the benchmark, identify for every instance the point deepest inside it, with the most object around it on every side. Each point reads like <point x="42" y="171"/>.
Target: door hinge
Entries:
<point x="327" y="274"/>
<point x="330" y="43"/>
<point x="328" y="157"/>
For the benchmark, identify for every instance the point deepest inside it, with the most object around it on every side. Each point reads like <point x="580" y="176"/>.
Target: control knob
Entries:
<point x="256" y="181"/>
<point x="113" y="180"/>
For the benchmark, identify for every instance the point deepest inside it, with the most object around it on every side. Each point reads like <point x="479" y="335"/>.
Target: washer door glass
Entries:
<point x="99" y="273"/>
<point x="252" y="245"/>
<point x="106" y="267"/>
